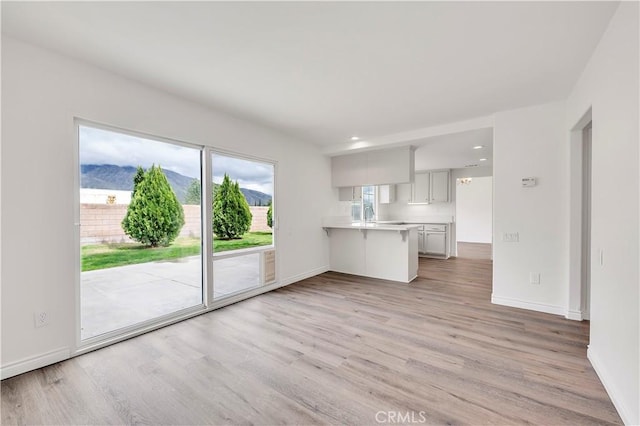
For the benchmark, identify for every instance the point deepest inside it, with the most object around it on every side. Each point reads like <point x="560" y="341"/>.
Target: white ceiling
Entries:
<point x="455" y="151"/>
<point x="326" y="71"/>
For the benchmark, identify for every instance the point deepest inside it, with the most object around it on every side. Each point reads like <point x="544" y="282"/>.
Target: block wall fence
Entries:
<point x="100" y="223"/>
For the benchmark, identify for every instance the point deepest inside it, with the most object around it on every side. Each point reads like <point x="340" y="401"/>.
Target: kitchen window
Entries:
<point x="363" y="208"/>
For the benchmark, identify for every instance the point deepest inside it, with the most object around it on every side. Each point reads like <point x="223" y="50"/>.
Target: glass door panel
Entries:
<point x="140" y="229"/>
<point x="242" y="222"/>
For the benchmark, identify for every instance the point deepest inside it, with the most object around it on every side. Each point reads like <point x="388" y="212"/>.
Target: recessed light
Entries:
<point x="355" y="138"/>
<point x="478" y="147"/>
<point x="483" y="159"/>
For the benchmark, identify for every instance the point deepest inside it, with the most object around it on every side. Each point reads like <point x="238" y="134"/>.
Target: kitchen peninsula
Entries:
<point x="374" y="250"/>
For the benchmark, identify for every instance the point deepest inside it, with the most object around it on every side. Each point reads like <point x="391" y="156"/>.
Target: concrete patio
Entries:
<point x="114" y="298"/>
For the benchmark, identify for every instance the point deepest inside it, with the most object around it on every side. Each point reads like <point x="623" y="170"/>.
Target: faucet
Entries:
<point x="368" y="213"/>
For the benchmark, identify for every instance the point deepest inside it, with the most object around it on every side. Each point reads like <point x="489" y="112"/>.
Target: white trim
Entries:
<point x="523" y="304"/>
<point x="303" y="276"/>
<point x="574" y="315"/>
<point x="576" y="291"/>
<point x="34" y="362"/>
<point x="206" y="219"/>
<point x="135" y="133"/>
<point x="612" y="391"/>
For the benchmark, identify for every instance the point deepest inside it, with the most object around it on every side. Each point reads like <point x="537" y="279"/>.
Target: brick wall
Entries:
<point x="101" y="222"/>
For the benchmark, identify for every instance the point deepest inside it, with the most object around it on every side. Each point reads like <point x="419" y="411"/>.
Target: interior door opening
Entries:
<point x="585" y="300"/>
<point x="474" y="217"/>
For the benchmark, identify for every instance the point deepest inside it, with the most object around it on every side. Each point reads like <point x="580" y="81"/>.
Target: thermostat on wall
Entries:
<point x="528" y="182"/>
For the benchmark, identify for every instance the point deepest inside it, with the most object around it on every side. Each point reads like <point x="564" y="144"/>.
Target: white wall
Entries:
<point x="531" y="142"/>
<point x="42" y="93"/>
<point x="609" y="86"/>
<point x="474" y="210"/>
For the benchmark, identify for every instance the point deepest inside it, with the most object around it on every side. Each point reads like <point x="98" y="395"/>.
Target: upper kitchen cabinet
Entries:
<point x="378" y="167"/>
<point x="439" y="186"/>
<point x="421" y="188"/>
<point x="386" y="194"/>
<point x="429" y="187"/>
<point x="350" y="193"/>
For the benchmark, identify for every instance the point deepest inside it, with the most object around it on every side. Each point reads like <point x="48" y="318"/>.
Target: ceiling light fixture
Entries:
<point x="483" y="159"/>
<point x="355" y="138"/>
<point x="478" y="147"/>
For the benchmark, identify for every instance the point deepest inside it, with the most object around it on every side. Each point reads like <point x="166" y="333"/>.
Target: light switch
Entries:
<point x="510" y="237"/>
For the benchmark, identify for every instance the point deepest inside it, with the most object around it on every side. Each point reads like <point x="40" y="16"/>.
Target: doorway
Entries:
<point x="474" y="217"/>
<point x="580" y="253"/>
<point x="586" y="223"/>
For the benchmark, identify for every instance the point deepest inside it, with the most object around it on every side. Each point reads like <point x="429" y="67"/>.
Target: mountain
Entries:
<point x="109" y="176"/>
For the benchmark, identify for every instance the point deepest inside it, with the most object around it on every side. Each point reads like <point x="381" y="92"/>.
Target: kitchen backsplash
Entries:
<point x="404" y="211"/>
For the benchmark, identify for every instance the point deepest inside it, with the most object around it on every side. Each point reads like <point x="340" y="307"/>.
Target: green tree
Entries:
<point x="137" y="178"/>
<point x="270" y="215"/>
<point x="155" y="215"/>
<point x="193" y="195"/>
<point x="231" y="213"/>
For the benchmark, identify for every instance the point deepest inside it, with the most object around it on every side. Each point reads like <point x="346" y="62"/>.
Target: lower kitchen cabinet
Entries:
<point x="435" y="243"/>
<point x="433" y="240"/>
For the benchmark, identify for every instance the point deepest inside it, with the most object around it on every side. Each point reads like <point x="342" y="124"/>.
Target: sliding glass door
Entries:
<point x="151" y="246"/>
<point x="140" y="230"/>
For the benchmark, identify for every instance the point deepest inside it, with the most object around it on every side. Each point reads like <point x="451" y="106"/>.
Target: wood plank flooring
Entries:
<point x="335" y="349"/>
<point x="474" y="250"/>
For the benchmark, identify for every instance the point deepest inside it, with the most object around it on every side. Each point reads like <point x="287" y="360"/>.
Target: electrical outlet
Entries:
<point x="41" y="318"/>
<point x="534" y="277"/>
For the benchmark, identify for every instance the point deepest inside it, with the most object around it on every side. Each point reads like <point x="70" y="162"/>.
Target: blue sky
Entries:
<point x="99" y="146"/>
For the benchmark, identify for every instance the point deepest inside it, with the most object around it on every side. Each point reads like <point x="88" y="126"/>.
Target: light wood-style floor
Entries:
<point x="474" y="250"/>
<point x="335" y="349"/>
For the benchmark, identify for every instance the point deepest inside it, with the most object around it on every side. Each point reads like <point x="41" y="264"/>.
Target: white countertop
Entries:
<point x="372" y="226"/>
<point x="411" y="222"/>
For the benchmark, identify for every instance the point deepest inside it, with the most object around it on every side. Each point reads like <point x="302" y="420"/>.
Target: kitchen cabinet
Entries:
<point x="350" y="193"/>
<point x="386" y="194"/>
<point x="435" y="243"/>
<point x="430" y="187"/>
<point x="439" y="186"/>
<point x="433" y="240"/>
<point x="377" y="167"/>
<point x="421" y="188"/>
<point x="404" y="192"/>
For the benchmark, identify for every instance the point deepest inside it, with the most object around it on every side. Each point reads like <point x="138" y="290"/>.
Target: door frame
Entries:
<point x="577" y="297"/>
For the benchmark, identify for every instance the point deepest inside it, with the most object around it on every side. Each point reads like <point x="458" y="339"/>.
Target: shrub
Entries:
<point x="270" y="215"/>
<point x="155" y="215"/>
<point x="231" y="213"/>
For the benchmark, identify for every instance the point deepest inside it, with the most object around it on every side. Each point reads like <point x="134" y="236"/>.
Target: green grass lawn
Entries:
<point x="101" y="256"/>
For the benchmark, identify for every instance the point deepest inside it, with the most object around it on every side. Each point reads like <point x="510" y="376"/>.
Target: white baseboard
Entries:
<point x="48" y="358"/>
<point x="612" y="390"/>
<point x="304" y="276"/>
<point x="574" y="315"/>
<point x="31" y="363"/>
<point x="532" y="306"/>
